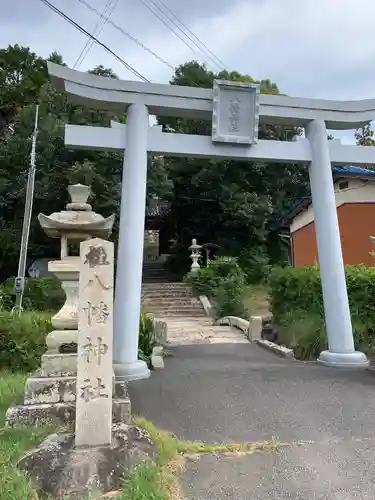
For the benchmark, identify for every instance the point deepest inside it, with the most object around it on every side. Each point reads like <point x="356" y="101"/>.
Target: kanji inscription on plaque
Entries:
<point x="235" y="112"/>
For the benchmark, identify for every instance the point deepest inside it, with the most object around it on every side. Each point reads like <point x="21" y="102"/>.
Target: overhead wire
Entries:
<point x="96" y="31"/>
<point x="127" y="34"/>
<point x="105" y="47"/>
<point x="167" y="25"/>
<point x="133" y="39"/>
<point x="193" y="38"/>
<point x="89" y="40"/>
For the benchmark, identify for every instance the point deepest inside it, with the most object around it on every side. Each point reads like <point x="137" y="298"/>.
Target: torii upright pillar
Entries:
<point x="341" y="352"/>
<point x="127" y="308"/>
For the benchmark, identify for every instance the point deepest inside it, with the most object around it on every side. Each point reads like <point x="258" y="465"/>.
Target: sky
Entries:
<point x="320" y="48"/>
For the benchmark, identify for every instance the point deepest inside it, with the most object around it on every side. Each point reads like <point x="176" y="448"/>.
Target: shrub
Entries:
<point x="297" y="307"/>
<point x="41" y="294"/>
<point x="223" y="281"/>
<point x="255" y="264"/>
<point x="229" y="299"/>
<point x="146" y="336"/>
<point x="304" y="333"/>
<point x="207" y="280"/>
<point x="295" y="289"/>
<point x="22" y="340"/>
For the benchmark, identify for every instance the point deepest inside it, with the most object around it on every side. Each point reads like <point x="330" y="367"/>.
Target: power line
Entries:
<point x="96" y="32"/>
<point x="131" y="37"/>
<point x="218" y="62"/>
<point x="89" y="40"/>
<point x="105" y="47"/>
<point x="167" y="25"/>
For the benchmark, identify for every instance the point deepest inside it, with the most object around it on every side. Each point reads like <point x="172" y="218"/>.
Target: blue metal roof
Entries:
<point x="353" y="171"/>
<point x="302" y="203"/>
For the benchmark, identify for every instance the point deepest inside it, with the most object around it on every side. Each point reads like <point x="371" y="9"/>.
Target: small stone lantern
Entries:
<point x="194" y="255"/>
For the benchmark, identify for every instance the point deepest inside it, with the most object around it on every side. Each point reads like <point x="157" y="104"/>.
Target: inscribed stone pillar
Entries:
<point x="95" y="341"/>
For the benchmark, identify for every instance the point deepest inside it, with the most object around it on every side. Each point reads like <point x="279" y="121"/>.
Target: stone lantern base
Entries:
<point x="50" y="393"/>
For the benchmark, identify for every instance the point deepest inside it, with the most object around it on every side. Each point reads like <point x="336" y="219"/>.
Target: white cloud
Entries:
<point x="323" y="48"/>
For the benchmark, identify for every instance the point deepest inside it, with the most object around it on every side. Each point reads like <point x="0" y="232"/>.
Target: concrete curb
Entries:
<point x="280" y="350"/>
<point x="240" y="323"/>
<point x="157" y="360"/>
<point x="252" y="329"/>
<point x="206" y="305"/>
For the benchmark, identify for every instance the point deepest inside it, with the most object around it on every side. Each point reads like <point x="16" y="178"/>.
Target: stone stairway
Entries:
<point x="174" y="303"/>
<point x="170" y="299"/>
<point x="164" y="297"/>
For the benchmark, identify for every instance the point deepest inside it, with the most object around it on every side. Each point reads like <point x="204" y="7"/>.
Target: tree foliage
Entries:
<point x="230" y="203"/>
<point x="365" y="136"/>
<point x="22" y="73"/>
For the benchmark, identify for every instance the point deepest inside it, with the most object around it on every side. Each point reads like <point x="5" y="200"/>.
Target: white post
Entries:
<point x="130" y="248"/>
<point x="341" y="351"/>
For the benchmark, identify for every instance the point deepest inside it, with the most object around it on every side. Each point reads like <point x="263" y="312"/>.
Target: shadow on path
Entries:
<point x="240" y="393"/>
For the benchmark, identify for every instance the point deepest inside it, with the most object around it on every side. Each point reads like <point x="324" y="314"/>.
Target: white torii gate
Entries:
<point x="235" y="109"/>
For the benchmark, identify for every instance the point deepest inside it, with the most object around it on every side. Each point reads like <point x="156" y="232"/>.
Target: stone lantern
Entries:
<point x="195" y="250"/>
<point x="75" y="224"/>
<point x="51" y="391"/>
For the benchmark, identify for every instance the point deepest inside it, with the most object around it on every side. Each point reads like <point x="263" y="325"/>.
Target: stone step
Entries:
<point x="173" y="301"/>
<point x="168" y="304"/>
<point x="156" y="272"/>
<point x="173" y="305"/>
<point x="179" y="307"/>
<point x="154" y="281"/>
<point x="163" y="287"/>
<point x="169" y="285"/>
<point x="190" y="301"/>
<point x="179" y="314"/>
<point x="167" y="292"/>
<point x="155" y="265"/>
<point x="167" y="277"/>
<point x="168" y="295"/>
<point x="183" y="309"/>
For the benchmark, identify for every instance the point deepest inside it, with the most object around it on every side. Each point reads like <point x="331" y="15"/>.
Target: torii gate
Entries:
<point x="235" y="109"/>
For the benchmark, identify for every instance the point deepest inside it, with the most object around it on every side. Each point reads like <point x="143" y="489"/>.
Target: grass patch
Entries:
<point x="159" y="481"/>
<point x="148" y="481"/>
<point x="14" y="442"/>
<point x="256" y="300"/>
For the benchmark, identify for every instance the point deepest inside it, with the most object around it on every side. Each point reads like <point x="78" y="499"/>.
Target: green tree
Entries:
<point x="230" y="203"/>
<point x="365" y="136"/>
<point x="57" y="166"/>
<point x="22" y="73"/>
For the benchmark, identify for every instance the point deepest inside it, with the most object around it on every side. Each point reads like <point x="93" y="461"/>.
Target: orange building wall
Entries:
<point x="357" y="223"/>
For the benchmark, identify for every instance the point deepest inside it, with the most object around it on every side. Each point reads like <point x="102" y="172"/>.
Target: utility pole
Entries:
<point x="19" y="282"/>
